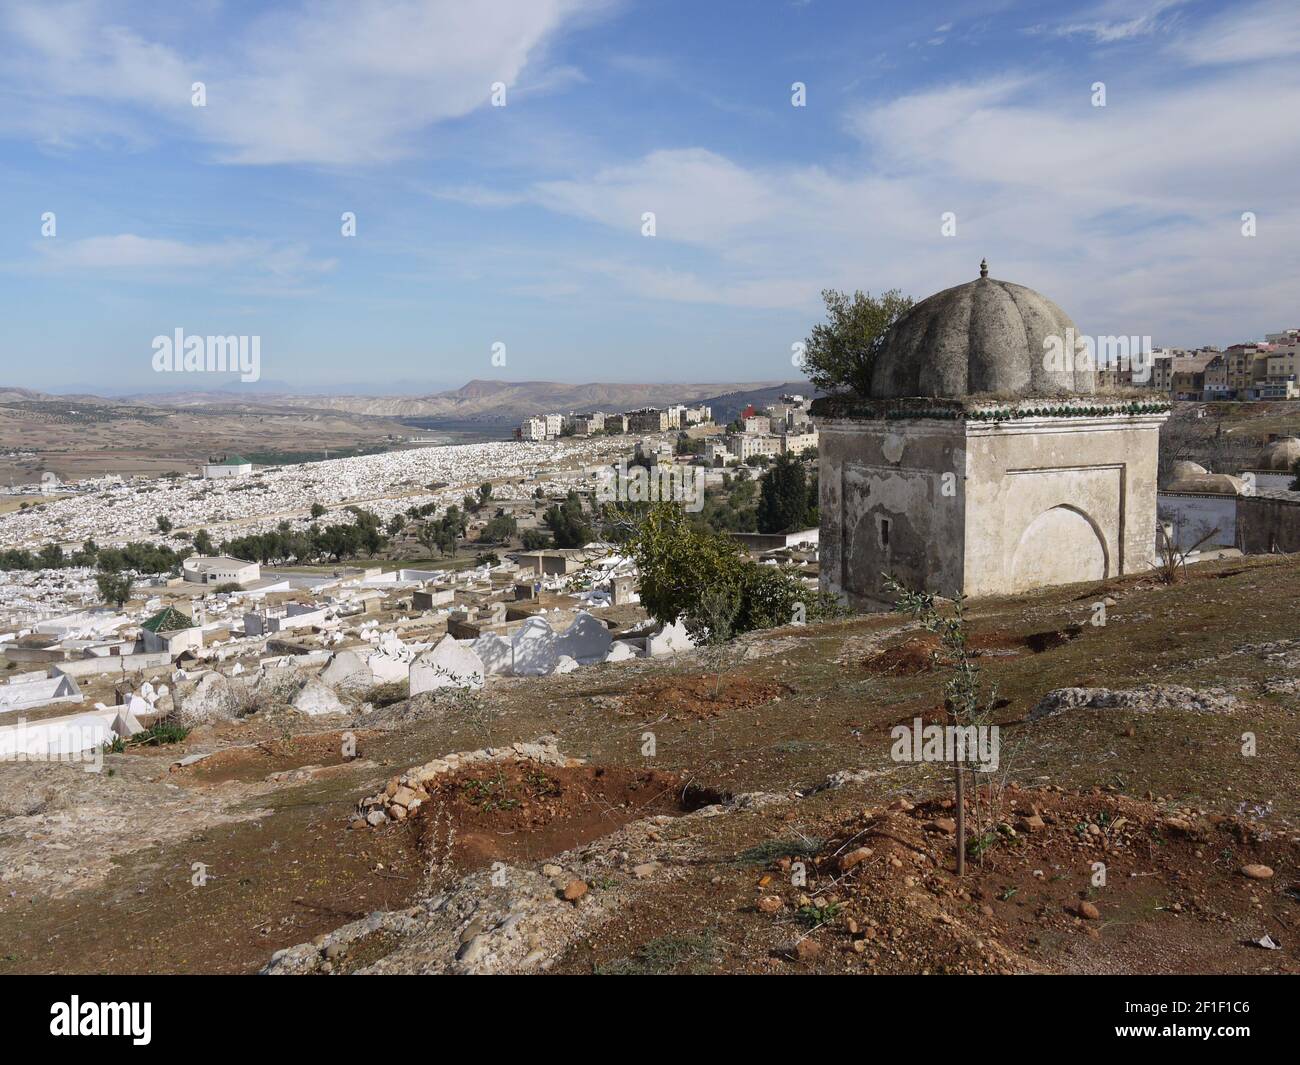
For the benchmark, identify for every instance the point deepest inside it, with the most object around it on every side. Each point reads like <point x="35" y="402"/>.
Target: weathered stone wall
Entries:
<point x="987" y="508"/>
<point x="1059" y="500"/>
<point x="1266" y="525"/>
<point x="878" y="472"/>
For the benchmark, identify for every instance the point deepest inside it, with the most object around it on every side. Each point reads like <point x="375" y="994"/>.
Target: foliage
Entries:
<point x="535" y="540"/>
<point x="114" y="588"/>
<point x="682" y="955"/>
<point x="732" y="510"/>
<point x="691" y="572"/>
<point x="1170" y="561"/>
<point x="500" y="528"/>
<point x="962" y="696"/>
<point x="335" y="542"/>
<point x="160" y="732"/>
<point x="784" y="504"/>
<point x="840" y="351"/>
<point x="567" y="522"/>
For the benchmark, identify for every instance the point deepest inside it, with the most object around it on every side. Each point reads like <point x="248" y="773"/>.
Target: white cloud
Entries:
<point x="332" y="82"/>
<point x="1116" y="20"/>
<point x="127" y="256"/>
<point x="696" y="196"/>
<point x="1128" y="215"/>
<point x="1247" y="33"/>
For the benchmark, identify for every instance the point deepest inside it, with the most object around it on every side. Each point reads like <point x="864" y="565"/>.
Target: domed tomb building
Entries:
<point x="985" y="461"/>
<point x="1276" y="465"/>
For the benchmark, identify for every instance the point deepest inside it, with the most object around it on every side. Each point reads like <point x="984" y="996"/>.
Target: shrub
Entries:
<point x="688" y="571"/>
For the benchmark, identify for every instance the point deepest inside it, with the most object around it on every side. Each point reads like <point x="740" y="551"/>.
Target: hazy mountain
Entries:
<point x="478" y="402"/>
<point x="486" y="401"/>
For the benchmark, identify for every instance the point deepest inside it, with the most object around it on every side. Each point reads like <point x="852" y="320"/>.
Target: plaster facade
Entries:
<point x="984" y="508"/>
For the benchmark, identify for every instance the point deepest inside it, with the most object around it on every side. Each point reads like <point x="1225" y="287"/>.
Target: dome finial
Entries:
<point x="984" y="268"/>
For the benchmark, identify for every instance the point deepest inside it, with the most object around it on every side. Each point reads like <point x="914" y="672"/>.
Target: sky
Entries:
<point x="128" y="212"/>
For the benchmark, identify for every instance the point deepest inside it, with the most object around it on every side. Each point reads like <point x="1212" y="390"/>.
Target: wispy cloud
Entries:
<point x="1116" y="20"/>
<point x="333" y="82"/>
<point x="128" y="256"/>
<point x="1060" y="195"/>
<point x="1246" y="33"/>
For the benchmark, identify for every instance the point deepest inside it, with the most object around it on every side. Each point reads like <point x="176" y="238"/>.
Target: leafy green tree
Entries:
<point x="839" y="352"/>
<point x="689" y="571"/>
<point x="535" y="540"/>
<point x="500" y="528"/>
<point x="202" y="542"/>
<point x="783" y="497"/>
<point x="164" y="524"/>
<point x="317" y="511"/>
<point x="114" y="588"/>
<point x="567" y="523"/>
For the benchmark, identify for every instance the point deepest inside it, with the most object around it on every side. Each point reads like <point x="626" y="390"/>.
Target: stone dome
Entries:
<point x="1280" y="454"/>
<point x="986" y="336"/>
<point x="1186" y="468"/>
<point x="1208" y="484"/>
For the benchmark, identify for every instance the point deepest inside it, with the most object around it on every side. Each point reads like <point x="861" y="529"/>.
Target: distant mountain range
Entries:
<point x="480" y="402"/>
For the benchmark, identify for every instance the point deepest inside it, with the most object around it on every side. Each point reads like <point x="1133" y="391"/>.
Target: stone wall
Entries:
<point x="987" y="508"/>
<point x="1267" y="524"/>
<point x="884" y="508"/>
<point x="1059" y="500"/>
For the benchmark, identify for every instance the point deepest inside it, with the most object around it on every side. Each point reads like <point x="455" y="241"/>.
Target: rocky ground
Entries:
<point x="717" y="813"/>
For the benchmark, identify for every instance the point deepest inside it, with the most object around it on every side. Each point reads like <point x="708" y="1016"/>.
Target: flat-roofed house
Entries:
<point x="227" y="466"/>
<point x="220" y="569"/>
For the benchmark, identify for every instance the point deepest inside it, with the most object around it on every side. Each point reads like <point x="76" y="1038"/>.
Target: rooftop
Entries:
<point x="984" y="337"/>
<point x="168" y="619"/>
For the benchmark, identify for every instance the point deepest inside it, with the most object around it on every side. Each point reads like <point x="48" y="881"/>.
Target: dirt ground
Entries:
<point x="97" y="872"/>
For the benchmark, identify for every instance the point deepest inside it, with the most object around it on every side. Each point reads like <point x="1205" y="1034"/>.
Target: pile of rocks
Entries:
<point x="1146" y="699"/>
<point x="405" y="793"/>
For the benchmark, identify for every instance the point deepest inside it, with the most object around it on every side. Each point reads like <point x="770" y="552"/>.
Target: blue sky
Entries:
<point x="522" y="224"/>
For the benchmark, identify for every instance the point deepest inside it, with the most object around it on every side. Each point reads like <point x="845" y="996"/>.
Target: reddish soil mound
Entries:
<point x="521" y="810"/>
<point x="915" y="655"/>
<point x="694" y="696"/>
<point x="254" y="763"/>
<point x="882" y="886"/>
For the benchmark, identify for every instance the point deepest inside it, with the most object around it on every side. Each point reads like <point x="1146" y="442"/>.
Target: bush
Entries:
<point x="535" y="540"/>
<point x="688" y="571"/>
